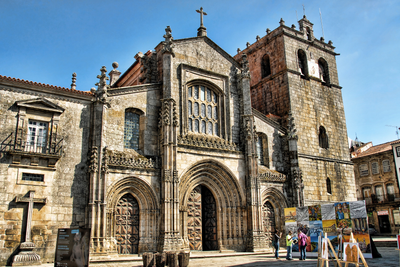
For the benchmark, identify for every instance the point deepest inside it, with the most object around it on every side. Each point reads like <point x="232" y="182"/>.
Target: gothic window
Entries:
<point x="132" y="129"/>
<point x="386" y="165"/>
<point x="262" y="150"/>
<point x="374" y="168"/>
<point x="203" y="110"/>
<point x="323" y="70"/>
<point x="265" y="66"/>
<point x="323" y="138"/>
<point x="328" y="186"/>
<point x="302" y="61"/>
<point x="363" y="170"/>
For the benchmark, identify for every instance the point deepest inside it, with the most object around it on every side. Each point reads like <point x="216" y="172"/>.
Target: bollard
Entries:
<point x="148" y="259"/>
<point x="160" y="259"/>
<point x="172" y="259"/>
<point x="184" y="258"/>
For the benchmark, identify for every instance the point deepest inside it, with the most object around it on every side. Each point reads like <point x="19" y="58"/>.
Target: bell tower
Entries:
<point x="294" y="78"/>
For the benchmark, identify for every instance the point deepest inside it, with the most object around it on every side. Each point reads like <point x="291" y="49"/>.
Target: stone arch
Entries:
<point x="279" y="203"/>
<point x="229" y="198"/>
<point x="148" y="210"/>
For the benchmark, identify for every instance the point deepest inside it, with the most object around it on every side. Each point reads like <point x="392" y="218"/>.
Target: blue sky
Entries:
<point x="46" y="41"/>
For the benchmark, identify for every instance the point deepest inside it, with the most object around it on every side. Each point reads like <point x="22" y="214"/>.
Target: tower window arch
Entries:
<point x="323" y="70"/>
<point x="265" y="66"/>
<point x="132" y="131"/>
<point x="203" y="109"/>
<point x="328" y="186"/>
<point x="302" y="61"/>
<point x="309" y="37"/>
<point x="323" y="138"/>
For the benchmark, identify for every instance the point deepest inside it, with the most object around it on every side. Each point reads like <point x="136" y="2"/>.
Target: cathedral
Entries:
<point x="189" y="149"/>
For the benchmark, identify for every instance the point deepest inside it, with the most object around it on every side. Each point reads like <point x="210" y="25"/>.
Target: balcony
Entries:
<point x="382" y="199"/>
<point x="36" y="149"/>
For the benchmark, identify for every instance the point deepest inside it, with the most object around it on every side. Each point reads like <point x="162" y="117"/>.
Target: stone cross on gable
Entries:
<point x="26" y="256"/>
<point x="201" y="15"/>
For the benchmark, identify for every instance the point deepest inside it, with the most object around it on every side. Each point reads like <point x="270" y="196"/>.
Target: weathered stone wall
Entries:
<point x="145" y="98"/>
<point x="65" y="187"/>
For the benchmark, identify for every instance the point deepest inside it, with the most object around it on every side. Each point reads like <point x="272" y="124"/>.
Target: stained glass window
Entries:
<point x="131" y="130"/>
<point x="202" y="110"/>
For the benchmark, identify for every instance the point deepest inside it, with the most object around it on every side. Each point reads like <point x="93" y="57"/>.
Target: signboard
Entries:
<point x="72" y="248"/>
<point x="383" y="212"/>
<point x="337" y="220"/>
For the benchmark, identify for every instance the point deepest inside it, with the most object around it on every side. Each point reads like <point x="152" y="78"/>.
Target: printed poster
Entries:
<point x="290" y="215"/>
<point x="72" y="248"/>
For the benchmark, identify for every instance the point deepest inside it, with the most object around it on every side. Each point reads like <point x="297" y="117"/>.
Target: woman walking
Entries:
<point x="302" y="244"/>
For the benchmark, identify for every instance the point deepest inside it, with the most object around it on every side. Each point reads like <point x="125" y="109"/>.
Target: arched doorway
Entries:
<point x="202" y="219"/>
<point x="127" y="225"/>
<point x="268" y="222"/>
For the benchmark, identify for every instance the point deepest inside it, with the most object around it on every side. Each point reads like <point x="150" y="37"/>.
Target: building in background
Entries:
<point x="377" y="183"/>
<point x="190" y="148"/>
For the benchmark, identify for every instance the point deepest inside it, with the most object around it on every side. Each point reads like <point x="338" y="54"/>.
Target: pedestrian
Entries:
<point x="289" y="243"/>
<point x="277" y="238"/>
<point x="302" y="244"/>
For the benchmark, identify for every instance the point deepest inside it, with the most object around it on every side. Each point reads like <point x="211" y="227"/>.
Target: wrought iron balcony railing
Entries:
<point x="385" y="198"/>
<point x="36" y="145"/>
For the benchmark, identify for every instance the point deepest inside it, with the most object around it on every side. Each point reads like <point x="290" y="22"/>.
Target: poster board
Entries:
<point x="338" y="220"/>
<point x="72" y="249"/>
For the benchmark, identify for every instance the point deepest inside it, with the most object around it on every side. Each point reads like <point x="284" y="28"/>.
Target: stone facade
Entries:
<point x="377" y="184"/>
<point x="190" y="148"/>
<point x="313" y="97"/>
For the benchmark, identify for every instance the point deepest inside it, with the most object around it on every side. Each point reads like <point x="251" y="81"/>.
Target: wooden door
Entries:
<point x="127" y="225"/>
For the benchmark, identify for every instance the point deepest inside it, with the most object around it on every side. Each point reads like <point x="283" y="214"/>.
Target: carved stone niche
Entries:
<point x="35" y="141"/>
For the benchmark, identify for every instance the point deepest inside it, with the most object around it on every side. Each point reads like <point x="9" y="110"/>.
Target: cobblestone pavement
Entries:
<point x="390" y="258"/>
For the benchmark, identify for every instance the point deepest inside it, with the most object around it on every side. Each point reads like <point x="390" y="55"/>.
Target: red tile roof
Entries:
<point x="45" y="85"/>
<point x="377" y="149"/>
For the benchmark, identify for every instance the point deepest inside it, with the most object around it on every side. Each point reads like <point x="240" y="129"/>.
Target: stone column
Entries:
<point x="170" y="228"/>
<point x="297" y="186"/>
<point x="255" y="234"/>
<point x="98" y="170"/>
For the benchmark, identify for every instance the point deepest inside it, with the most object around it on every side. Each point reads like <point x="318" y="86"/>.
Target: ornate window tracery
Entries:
<point x="132" y="131"/>
<point x="203" y="109"/>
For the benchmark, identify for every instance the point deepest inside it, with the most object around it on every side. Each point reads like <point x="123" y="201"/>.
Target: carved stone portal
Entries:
<point x="268" y="222"/>
<point x="127" y="225"/>
<point x="202" y="220"/>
